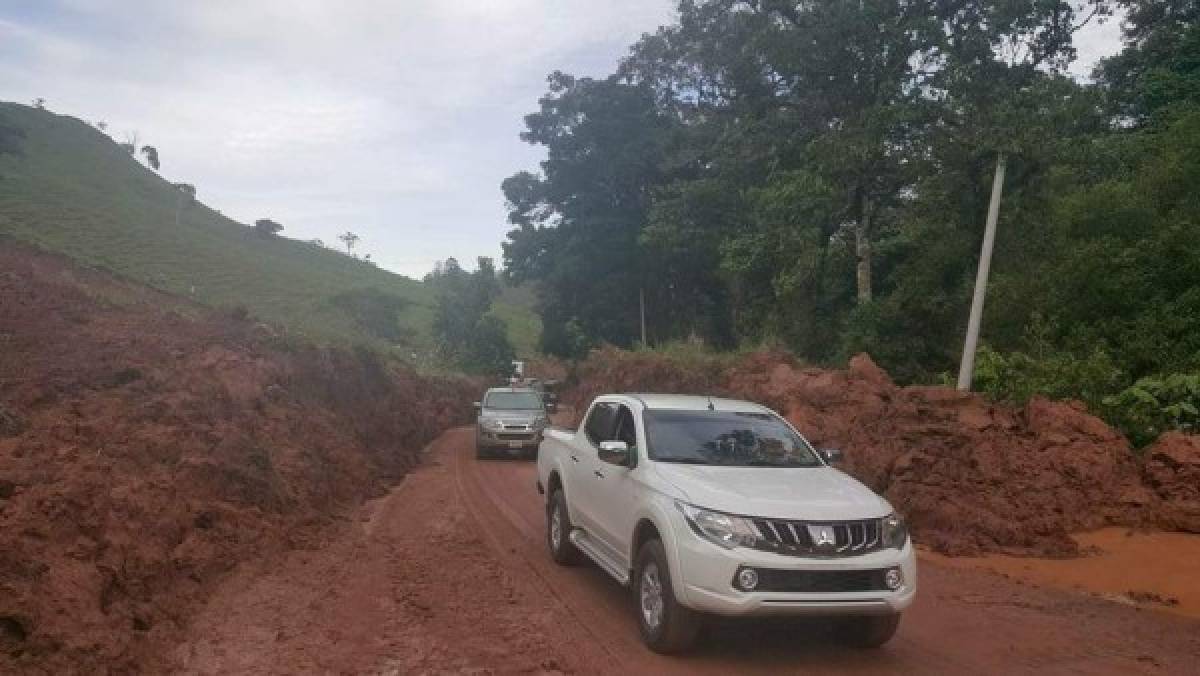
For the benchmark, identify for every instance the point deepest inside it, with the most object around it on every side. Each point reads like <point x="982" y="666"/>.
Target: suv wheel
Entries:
<point x="558" y="531"/>
<point x="667" y="627"/>
<point x="868" y="631"/>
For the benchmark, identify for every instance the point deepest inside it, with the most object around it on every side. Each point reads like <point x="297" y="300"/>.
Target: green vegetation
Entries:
<point x="70" y="189"/>
<point x="468" y="335"/>
<point x="818" y="174"/>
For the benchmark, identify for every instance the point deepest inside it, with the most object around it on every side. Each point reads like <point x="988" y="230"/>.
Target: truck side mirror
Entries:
<point x="478" y="407"/>
<point x="614" y="453"/>
<point x="832" y="455"/>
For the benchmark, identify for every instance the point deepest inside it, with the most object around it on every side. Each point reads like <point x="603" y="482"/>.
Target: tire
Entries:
<point x="676" y="627"/>
<point x="481" y="451"/>
<point x="558" y="531"/>
<point x="868" y="632"/>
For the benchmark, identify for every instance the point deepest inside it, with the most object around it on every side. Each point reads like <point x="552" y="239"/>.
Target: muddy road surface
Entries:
<point x="448" y="573"/>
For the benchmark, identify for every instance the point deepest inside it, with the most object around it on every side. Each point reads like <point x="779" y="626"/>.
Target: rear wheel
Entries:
<point x="558" y="531"/>
<point x="868" y="631"/>
<point x="667" y="627"/>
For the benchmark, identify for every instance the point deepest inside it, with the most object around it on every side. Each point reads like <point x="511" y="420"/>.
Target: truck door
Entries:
<point x="613" y="496"/>
<point x="582" y="487"/>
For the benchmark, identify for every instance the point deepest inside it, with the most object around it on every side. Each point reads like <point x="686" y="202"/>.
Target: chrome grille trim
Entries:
<point x="792" y="538"/>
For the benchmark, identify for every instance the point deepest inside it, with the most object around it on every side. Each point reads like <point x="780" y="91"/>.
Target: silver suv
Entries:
<point x="511" y="421"/>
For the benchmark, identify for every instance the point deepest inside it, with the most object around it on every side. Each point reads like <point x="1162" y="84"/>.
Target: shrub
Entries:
<point x="1156" y="404"/>
<point x="1017" y="376"/>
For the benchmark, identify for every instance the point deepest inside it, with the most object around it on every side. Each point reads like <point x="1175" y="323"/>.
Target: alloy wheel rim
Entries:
<point x="651" y="596"/>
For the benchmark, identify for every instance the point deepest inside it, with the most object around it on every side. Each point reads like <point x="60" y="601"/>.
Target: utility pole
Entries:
<point x="642" y="312"/>
<point x="967" y="368"/>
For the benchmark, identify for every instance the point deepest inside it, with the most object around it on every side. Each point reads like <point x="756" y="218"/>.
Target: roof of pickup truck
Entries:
<point x="688" y="402"/>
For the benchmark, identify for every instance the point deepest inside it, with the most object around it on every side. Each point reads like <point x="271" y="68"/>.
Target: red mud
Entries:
<point x="972" y="476"/>
<point x="144" y="454"/>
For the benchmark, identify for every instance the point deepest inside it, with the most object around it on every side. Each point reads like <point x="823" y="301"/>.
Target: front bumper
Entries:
<point x="706" y="574"/>
<point x="516" y="441"/>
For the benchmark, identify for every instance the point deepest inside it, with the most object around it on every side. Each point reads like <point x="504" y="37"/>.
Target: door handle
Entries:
<point x="574" y="459"/>
<point x="598" y="473"/>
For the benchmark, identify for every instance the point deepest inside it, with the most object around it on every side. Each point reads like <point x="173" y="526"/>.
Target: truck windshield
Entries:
<point x="725" y="438"/>
<point x="513" y="401"/>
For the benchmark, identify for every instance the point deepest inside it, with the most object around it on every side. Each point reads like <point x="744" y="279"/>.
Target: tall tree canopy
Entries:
<point x="469" y="337"/>
<point x="817" y="173"/>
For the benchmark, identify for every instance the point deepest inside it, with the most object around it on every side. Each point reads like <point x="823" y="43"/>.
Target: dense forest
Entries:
<point x="817" y="174"/>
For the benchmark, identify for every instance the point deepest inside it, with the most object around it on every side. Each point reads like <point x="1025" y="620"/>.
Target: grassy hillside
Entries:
<point x="76" y="192"/>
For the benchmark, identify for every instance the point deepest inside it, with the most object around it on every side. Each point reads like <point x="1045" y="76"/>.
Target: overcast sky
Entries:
<point x="396" y="119"/>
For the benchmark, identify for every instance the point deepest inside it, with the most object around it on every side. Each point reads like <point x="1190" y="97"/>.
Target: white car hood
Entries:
<point x="800" y="493"/>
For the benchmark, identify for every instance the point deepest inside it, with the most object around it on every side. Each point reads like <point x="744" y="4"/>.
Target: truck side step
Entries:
<point x="581" y="541"/>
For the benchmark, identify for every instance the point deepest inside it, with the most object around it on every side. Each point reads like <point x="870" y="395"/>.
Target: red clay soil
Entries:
<point x="1173" y="470"/>
<point x="972" y="476"/>
<point x="145" y="452"/>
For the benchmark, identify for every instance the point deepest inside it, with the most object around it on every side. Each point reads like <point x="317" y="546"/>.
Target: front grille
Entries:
<point x="820" y="581"/>
<point x="516" y="427"/>
<point x="518" y="436"/>
<point x="796" y="538"/>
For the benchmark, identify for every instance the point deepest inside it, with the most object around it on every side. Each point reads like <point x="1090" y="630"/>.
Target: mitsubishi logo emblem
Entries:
<point x="822" y="536"/>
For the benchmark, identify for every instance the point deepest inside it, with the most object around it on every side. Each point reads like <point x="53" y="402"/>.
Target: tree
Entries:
<point x="267" y="228"/>
<point x="578" y="223"/>
<point x="468" y="336"/>
<point x="349" y="239"/>
<point x="151" y="154"/>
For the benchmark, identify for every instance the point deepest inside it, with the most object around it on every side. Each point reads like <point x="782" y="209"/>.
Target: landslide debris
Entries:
<point x="147" y="447"/>
<point x="1173" y="471"/>
<point x="972" y="476"/>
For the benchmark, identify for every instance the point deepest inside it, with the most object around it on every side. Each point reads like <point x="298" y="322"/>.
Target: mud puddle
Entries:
<point x="1153" y="570"/>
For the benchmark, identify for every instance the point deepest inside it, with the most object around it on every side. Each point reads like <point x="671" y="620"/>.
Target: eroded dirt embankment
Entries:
<point x="972" y="476"/>
<point x="145" y="453"/>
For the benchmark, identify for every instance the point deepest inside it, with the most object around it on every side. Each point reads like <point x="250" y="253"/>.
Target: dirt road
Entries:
<point x="448" y="573"/>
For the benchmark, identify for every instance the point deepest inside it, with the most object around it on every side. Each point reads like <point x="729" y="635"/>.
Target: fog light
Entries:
<point x="893" y="578"/>
<point x="747" y="579"/>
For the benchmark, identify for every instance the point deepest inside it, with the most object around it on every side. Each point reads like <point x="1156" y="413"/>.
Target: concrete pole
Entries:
<point x="967" y="368"/>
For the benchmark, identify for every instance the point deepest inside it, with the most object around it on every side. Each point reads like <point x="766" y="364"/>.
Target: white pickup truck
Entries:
<point x="714" y="506"/>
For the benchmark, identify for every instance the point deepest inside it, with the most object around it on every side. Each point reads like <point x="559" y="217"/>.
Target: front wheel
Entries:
<point x="558" y="531"/>
<point x="667" y="627"/>
<point x="868" y="631"/>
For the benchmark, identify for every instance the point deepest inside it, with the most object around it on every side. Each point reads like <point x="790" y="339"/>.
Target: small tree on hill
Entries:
<point x="349" y="239"/>
<point x="151" y="154"/>
<point x="267" y="228"/>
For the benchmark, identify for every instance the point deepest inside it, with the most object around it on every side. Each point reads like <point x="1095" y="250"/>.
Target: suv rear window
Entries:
<point x="513" y="401"/>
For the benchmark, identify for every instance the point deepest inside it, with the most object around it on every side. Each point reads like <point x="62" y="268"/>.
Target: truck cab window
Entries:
<point x="599" y="425"/>
<point x="625" y="430"/>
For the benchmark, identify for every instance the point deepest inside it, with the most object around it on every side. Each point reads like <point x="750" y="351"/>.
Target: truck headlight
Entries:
<point x="491" y="424"/>
<point x="895" y="532"/>
<point x="726" y="530"/>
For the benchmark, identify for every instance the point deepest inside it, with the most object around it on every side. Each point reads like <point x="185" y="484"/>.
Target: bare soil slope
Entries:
<point x="145" y="453"/>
